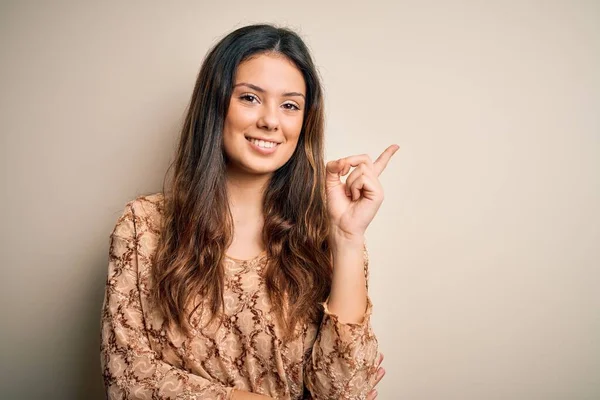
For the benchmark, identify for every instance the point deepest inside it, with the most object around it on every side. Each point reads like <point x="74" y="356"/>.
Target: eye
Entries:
<point x="291" y="106"/>
<point x="249" y="98"/>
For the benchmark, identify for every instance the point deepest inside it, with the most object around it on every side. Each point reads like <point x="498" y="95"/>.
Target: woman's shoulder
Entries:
<point x="143" y="213"/>
<point x="147" y="205"/>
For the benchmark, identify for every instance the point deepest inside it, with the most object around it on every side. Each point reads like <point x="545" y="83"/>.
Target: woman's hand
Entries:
<point x="244" y="395"/>
<point x="380" y="373"/>
<point x="353" y="205"/>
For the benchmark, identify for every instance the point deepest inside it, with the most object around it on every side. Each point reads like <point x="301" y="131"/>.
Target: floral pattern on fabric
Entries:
<point x="243" y="349"/>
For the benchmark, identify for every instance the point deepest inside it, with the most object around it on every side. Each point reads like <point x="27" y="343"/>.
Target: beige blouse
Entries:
<point x="242" y="349"/>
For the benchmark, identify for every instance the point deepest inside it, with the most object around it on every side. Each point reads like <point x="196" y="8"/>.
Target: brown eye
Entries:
<point x="249" y="98"/>
<point x="291" y="106"/>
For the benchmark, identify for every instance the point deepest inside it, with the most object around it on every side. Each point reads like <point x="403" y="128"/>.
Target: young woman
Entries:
<point x="247" y="277"/>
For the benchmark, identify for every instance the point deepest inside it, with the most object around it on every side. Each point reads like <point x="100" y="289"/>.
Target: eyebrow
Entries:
<point x="261" y="90"/>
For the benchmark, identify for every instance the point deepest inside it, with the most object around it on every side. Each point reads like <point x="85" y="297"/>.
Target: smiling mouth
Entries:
<point x="262" y="143"/>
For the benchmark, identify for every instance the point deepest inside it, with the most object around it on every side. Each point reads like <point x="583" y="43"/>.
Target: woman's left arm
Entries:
<point x="351" y="206"/>
<point x="343" y="362"/>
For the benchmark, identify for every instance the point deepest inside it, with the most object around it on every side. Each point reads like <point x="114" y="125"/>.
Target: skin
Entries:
<point x="269" y="114"/>
<point x="268" y="101"/>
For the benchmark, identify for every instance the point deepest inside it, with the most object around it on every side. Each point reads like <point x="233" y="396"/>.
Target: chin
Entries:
<point x="260" y="170"/>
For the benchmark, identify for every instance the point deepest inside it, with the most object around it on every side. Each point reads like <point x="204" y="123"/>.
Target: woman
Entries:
<point x="246" y="278"/>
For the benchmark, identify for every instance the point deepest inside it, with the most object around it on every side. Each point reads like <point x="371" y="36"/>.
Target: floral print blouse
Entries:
<point x="243" y="349"/>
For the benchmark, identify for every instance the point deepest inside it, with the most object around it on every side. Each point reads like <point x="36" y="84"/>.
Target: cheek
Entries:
<point x="235" y="124"/>
<point x="238" y="118"/>
<point x="292" y="128"/>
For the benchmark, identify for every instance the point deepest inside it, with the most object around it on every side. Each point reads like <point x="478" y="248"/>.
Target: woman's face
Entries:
<point x="265" y="114"/>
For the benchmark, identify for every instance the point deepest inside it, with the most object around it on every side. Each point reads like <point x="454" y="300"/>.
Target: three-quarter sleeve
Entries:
<point x="131" y="368"/>
<point x="342" y="364"/>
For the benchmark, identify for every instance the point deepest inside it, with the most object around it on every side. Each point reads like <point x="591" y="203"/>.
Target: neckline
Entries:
<point x="247" y="260"/>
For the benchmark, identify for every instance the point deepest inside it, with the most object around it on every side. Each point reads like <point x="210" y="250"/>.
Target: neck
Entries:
<point x="245" y="193"/>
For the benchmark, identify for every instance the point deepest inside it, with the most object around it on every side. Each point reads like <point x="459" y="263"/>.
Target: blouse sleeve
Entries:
<point x="342" y="364"/>
<point x="131" y="369"/>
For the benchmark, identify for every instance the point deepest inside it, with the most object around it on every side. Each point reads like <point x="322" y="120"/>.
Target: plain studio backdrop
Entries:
<point x="485" y="260"/>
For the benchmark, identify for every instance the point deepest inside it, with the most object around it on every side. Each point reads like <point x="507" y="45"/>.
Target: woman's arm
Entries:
<point x="343" y="362"/>
<point x="243" y="395"/>
<point x="351" y="207"/>
<point x="131" y="369"/>
<point x="348" y="296"/>
<point x="343" y="358"/>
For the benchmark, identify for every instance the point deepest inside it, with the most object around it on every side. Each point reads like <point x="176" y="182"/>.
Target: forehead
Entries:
<point x="273" y="72"/>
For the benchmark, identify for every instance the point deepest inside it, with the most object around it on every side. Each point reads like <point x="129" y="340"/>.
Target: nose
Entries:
<point x="268" y="119"/>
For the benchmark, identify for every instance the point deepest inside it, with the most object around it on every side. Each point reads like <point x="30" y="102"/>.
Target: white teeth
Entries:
<point x="263" y="144"/>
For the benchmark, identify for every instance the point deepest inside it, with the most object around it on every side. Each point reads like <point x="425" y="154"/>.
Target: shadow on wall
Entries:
<point x="87" y="373"/>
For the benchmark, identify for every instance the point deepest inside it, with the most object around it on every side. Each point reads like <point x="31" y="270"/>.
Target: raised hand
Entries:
<point x="352" y="205"/>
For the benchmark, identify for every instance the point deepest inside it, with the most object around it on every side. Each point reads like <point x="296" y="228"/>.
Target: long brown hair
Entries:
<point x="197" y="223"/>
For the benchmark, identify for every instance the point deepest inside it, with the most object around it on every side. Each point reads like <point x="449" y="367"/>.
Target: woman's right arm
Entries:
<point x="242" y="395"/>
<point x="131" y="369"/>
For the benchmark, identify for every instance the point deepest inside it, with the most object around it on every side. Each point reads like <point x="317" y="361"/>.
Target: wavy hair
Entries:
<point x="197" y="225"/>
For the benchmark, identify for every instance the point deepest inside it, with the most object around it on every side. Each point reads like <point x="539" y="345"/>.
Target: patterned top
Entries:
<point x="242" y="349"/>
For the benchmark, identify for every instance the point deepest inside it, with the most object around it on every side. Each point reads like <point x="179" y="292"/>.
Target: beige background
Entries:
<point x="485" y="256"/>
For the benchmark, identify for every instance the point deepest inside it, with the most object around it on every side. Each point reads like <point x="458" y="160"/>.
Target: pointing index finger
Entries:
<point x="384" y="158"/>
